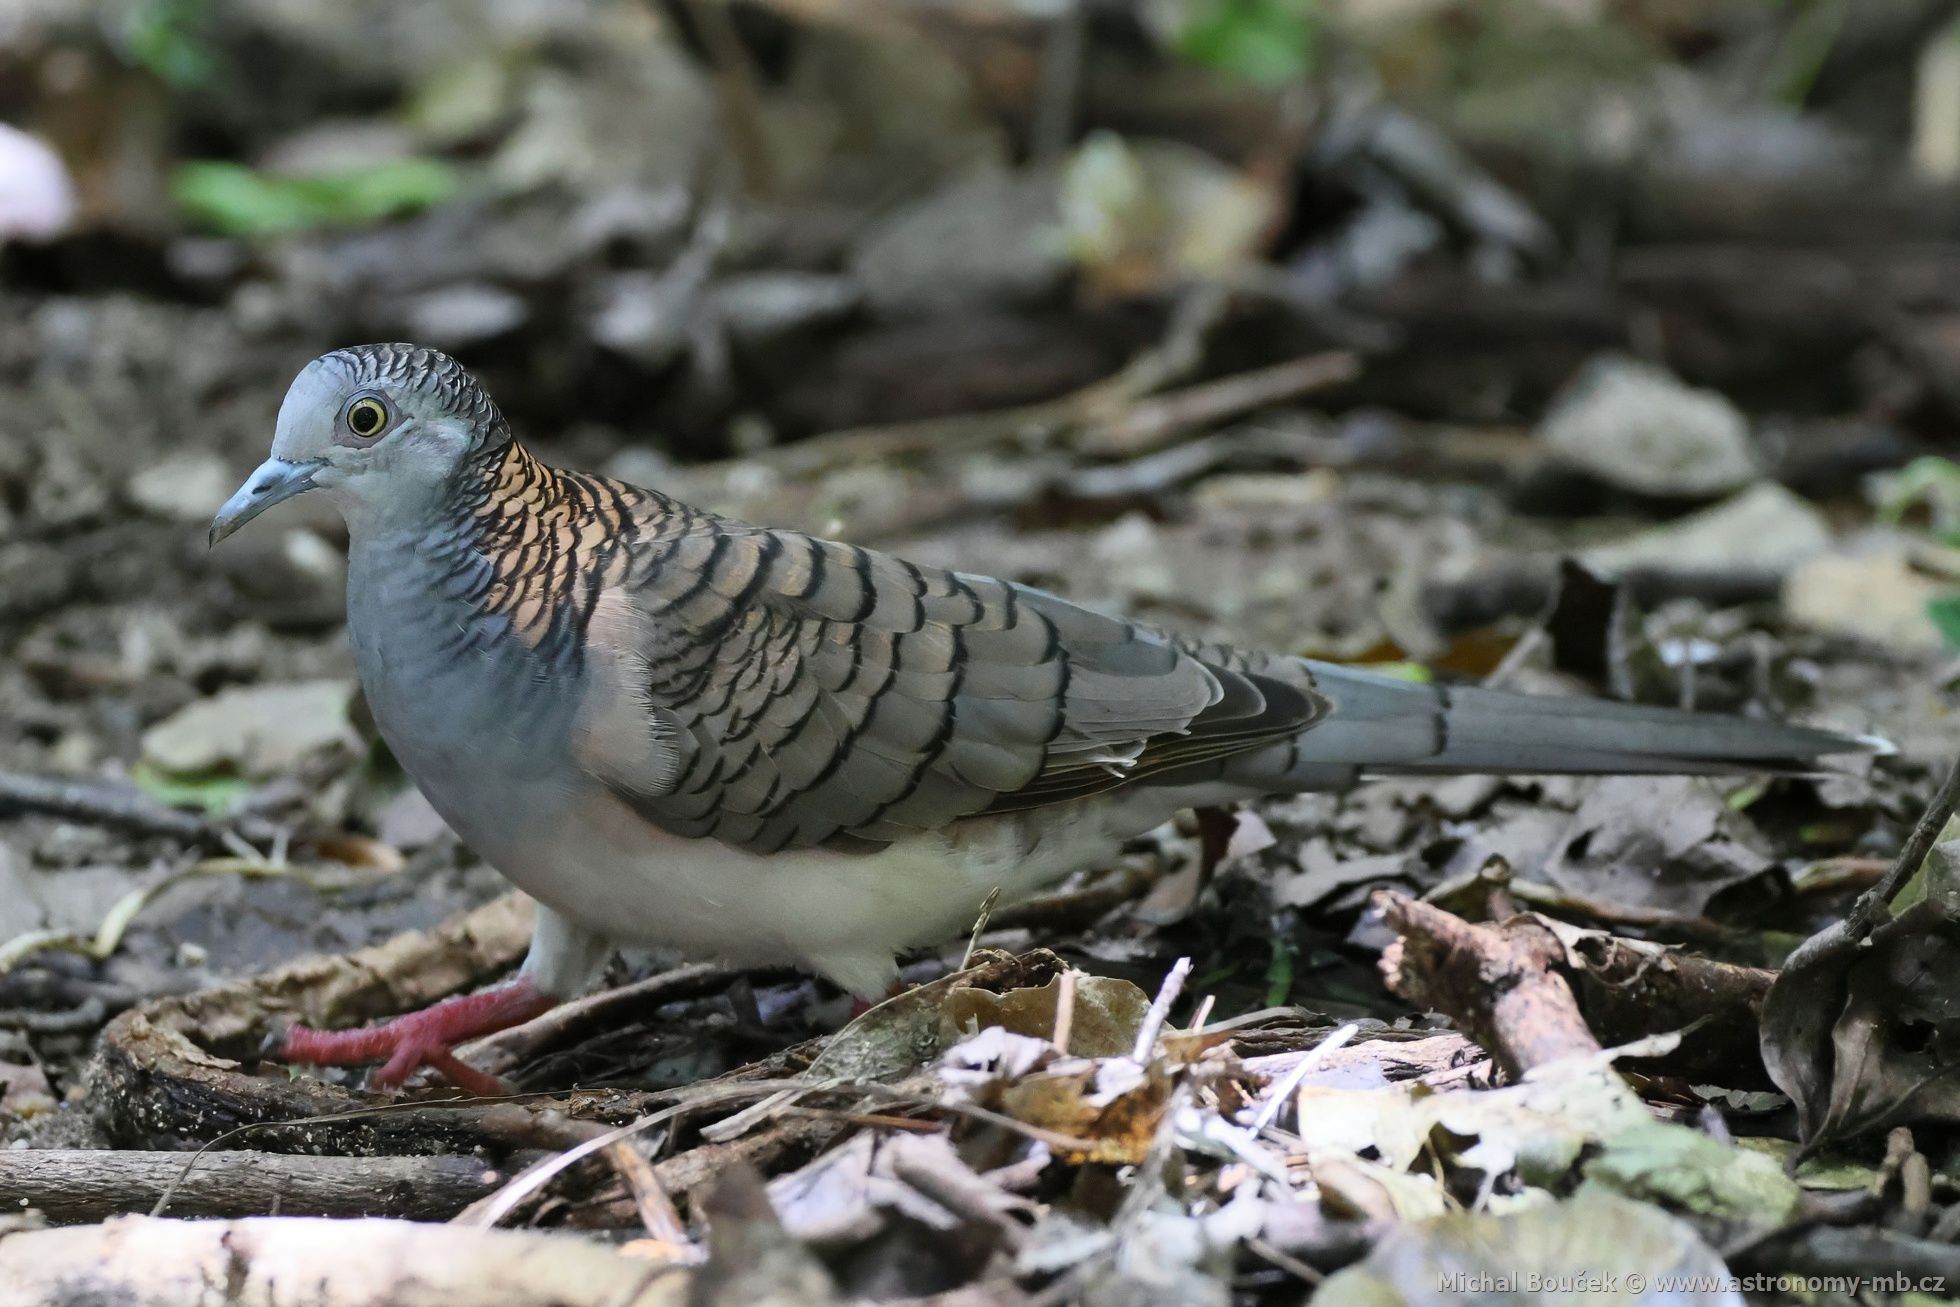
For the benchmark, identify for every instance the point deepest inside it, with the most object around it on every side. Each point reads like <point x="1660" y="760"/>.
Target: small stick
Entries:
<point x="650" y="1200"/>
<point x="1288" y="1084"/>
<point x="77" y="1185"/>
<point x="122" y="807"/>
<point x="1160" y="1010"/>
<point x="1061" y="83"/>
<point x="1502" y="984"/>
<point x="1871" y="906"/>
<point x="1064" y="1011"/>
<point x="568" y="1022"/>
<point x="979" y="927"/>
<point x="293" y="1259"/>
<point x="1285" y="1261"/>
<point x="1152" y="424"/>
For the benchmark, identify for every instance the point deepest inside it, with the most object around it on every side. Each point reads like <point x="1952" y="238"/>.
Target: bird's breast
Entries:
<point x="478" y="718"/>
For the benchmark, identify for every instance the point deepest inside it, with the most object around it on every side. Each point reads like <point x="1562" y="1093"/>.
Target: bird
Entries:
<point x="672" y="728"/>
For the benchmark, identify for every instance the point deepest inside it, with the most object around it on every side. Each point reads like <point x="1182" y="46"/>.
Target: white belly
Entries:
<point x="843" y="915"/>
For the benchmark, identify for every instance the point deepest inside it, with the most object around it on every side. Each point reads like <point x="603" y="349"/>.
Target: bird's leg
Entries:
<point x="564" y="959"/>
<point x="424" y="1038"/>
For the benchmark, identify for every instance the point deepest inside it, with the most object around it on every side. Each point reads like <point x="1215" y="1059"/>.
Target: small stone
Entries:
<point x="262" y="730"/>
<point x="1638" y="427"/>
<point x="451" y="317"/>
<point x="989" y="238"/>
<point x="408" y="822"/>
<point x="1868" y="590"/>
<point x="1765" y="530"/>
<point x="184" y="488"/>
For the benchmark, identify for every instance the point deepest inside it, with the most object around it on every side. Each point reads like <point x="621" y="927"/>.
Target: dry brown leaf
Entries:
<point x="1106" y="1014"/>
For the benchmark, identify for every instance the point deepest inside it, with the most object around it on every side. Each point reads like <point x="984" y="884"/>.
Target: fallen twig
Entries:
<point x="1501" y="984"/>
<point x="121" y="807"/>
<point x="1873" y="906"/>
<point x="1152" y="424"/>
<point x="1529" y="989"/>
<point x="1175" y="356"/>
<point x="74" y="1184"/>
<point x="569" y="1022"/>
<point x="1282" y="1093"/>
<point x="1160" y="1010"/>
<point x="650" y="1200"/>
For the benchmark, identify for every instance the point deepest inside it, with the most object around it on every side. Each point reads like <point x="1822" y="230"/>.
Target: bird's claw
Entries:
<point x="419" y="1039"/>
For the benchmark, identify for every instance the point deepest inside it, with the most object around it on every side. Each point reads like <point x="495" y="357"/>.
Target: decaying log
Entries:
<point x="294" y="1261"/>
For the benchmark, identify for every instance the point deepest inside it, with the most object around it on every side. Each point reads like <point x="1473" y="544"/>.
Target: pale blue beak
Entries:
<point x="273" y="482"/>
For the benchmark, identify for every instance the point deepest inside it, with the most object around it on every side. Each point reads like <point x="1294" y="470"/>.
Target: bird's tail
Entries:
<point x="1381" y="725"/>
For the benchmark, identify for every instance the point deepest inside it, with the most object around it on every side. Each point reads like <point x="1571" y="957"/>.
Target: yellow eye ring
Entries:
<point x="366" y="417"/>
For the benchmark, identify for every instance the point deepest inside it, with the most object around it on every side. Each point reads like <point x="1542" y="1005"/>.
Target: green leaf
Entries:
<point x="1745" y="796"/>
<point x="1828" y="1171"/>
<point x="1677" y="1165"/>
<point x="1401" y="671"/>
<point x="171" y="39"/>
<point x="1279" y="972"/>
<point x="1931" y="481"/>
<point x="1945" y="612"/>
<point x="1270" y="42"/>
<point x="238" y="201"/>
<point x="216" y="793"/>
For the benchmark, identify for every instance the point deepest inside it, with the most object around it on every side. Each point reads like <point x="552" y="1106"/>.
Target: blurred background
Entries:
<point x="1334" y="326"/>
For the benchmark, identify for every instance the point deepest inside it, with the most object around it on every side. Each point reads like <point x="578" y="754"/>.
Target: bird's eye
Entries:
<point x="366" y="417"/>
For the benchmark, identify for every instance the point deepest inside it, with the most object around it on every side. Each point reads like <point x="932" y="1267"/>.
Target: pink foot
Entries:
<point x="422" y="1038"/>
<point x="860" y="1006"/>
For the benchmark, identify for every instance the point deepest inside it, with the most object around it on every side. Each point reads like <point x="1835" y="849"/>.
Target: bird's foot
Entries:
<point x="861" y="1005"/>
<point x="421" y="1038"/>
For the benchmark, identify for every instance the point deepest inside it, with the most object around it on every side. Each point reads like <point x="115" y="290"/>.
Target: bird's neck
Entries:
<point x="503" y="488"/>
<point x="521" y="540"/>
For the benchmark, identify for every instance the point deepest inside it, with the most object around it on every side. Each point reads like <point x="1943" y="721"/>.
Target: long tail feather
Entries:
<point x="1383" y="725"/>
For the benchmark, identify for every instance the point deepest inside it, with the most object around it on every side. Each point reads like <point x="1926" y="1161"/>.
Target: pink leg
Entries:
<point x="423" y="1038"/>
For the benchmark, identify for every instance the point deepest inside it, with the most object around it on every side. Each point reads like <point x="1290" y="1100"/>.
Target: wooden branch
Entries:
<point x="1630" y="988"/>
<point x="1528" y="992"/>
<point x="77" y="1184"/>
<point x="1501" y="984"/>
<point x="290" y="1261"/>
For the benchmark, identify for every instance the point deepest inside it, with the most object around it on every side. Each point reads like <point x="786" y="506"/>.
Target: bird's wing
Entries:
<point x="786" y="691"/>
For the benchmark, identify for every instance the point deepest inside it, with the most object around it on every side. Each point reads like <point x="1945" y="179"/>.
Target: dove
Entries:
<point x="671" y="728"/>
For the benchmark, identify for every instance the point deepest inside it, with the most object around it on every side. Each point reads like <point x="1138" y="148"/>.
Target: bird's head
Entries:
<point x="384" y="430"/>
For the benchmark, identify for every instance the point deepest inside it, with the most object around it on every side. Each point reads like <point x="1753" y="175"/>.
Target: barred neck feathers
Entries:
<point x="535" y="544"/>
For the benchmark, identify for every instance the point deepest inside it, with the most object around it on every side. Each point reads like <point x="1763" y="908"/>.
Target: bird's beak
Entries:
<point x="272" y="482"/>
